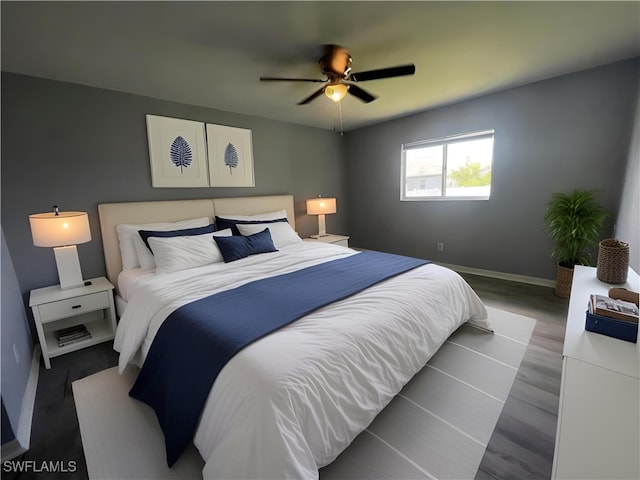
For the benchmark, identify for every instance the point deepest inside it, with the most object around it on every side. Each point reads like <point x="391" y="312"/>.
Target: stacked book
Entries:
<point x="613" y="308"/>
<point x="67" y="336"/>
<point x="612" y="317"/>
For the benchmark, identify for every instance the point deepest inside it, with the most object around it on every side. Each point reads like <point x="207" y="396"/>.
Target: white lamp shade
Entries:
<point x="321" y="206"/>
<point x="66" y="228"/>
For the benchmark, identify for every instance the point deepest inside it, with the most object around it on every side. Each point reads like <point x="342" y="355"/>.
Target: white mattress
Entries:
<point x="291" y="402"/>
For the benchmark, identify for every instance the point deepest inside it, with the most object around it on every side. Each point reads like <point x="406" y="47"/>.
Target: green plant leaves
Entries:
<point x="574" y="222"/>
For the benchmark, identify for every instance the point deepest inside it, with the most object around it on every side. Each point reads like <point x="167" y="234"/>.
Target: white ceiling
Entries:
<point x="212" y="53"/>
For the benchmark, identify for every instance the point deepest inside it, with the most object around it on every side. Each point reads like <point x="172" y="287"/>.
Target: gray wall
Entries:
<point x="552" y="136"/>
<point x="77" y="146"/>
<point x="628" y="224"/>
<point x="15" y="331"/>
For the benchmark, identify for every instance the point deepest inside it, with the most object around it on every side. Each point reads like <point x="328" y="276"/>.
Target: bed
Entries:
<point x="292" y="401"/>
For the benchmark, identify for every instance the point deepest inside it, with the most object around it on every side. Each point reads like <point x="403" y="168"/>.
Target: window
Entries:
<point x="456" y="167"/>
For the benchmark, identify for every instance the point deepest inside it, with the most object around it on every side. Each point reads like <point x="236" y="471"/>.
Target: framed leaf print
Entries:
<point x="177" y="152"/>
<point x="230" y="155"/>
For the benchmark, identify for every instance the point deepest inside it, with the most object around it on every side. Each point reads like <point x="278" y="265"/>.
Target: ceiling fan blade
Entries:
<point x="356" y="91"/>
<point x="398" y="71"/>
<point x="313" y="96"/>
<point x="278" y="79"/>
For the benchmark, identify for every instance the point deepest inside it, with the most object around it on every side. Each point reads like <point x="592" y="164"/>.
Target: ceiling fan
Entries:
<point x="335" y="64"/>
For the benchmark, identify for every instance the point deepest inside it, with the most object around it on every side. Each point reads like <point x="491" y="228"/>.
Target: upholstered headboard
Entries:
<point x="113" y="214"/>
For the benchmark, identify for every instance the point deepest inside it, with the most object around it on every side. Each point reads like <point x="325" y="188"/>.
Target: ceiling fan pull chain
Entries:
<point x="340" y="110"/>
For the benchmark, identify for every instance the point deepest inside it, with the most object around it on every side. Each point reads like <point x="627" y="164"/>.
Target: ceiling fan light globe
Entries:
<point x="336" y="92"/>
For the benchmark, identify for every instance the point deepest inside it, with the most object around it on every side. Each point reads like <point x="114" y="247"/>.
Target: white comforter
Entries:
<point x="291" y="402"/>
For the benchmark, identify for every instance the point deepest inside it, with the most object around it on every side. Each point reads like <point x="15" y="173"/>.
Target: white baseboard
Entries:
<point x="543" y="282"/>
<point x="23" y="436"/>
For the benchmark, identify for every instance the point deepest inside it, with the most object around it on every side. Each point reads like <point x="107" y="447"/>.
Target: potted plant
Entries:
<point x="574" y="222"/>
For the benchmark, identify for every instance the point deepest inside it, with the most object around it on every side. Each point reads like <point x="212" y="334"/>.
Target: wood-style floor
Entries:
<point x="523" y="441"/>
<point x="521" y="446"/>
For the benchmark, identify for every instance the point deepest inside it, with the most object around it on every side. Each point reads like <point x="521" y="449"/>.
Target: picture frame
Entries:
<point x="230" y="154"/>
<point x="177" y="152"/>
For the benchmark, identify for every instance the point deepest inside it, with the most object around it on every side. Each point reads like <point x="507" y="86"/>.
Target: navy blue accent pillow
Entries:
<point x="185" y="232"/>
<point x="237" y="246"/>
<point x="222" y="223"/>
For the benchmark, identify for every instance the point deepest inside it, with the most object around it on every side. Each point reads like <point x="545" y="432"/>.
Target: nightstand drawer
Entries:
<point x="73" y="306"/>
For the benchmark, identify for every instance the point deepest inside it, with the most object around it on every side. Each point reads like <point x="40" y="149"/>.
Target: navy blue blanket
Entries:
<point x="197" y="340"/>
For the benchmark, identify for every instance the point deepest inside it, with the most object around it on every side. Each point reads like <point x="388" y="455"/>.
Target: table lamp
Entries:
<point x="321" y="207"/>
<point x="63" y="231"/>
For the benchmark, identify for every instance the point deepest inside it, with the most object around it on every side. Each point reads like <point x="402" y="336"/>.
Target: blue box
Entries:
<point x="612" y="327"/>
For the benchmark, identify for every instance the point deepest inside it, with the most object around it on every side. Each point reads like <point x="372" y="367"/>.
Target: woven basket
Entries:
<point x="564" y="277"/>
<point x="613" y="261"/>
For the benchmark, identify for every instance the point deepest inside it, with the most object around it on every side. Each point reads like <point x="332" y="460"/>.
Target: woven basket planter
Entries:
<point x="613" y="261"/>
<point x="564" y="277"/>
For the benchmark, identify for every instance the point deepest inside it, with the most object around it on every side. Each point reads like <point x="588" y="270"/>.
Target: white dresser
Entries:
<point x="598" y="435"/>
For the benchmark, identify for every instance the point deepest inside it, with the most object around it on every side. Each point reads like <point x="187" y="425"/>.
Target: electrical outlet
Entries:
<point x="440" y="246"/>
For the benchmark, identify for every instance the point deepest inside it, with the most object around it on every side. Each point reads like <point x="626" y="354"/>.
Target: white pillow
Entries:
<point x="129" y="238"/>
<point x="258" y="216"/>
<point x="173" y="254"/>
<point x="281" y="232"/>
<point x="145" y="257"/>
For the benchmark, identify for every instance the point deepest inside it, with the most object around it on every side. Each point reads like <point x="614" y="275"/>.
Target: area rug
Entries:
<point x="437" y="427"/>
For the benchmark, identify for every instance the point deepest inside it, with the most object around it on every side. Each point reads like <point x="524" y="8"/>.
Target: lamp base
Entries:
<point x="68" y="265"/>
<point x="319" y="236"/>
<point x="322" y="229"/>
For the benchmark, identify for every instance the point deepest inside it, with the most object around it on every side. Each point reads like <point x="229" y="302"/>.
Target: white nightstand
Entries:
<point x="54" y="309"/>
<point x="341" y="240"/>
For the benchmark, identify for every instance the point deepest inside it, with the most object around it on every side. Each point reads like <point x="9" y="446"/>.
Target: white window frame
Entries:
<point x="444" y="141"/>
